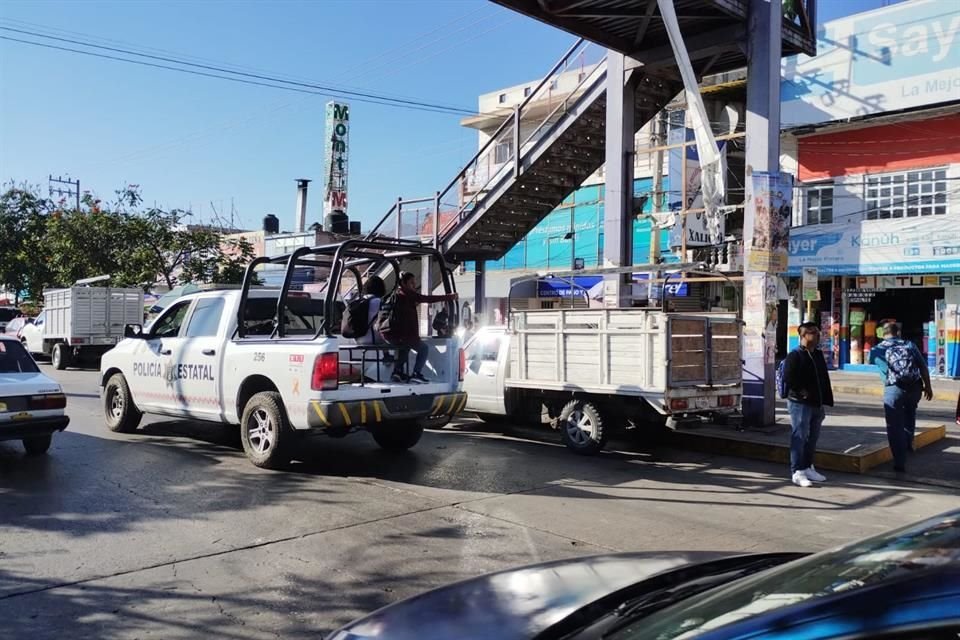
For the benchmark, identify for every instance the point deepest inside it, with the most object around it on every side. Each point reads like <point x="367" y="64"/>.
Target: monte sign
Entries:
<point x="336" y="153"/>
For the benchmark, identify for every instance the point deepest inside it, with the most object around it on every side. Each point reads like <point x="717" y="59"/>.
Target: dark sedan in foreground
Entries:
<point x="899" y="585"/>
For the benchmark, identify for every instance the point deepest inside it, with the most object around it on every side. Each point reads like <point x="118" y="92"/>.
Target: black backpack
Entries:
<point x="355" y="322"/>
<point x="387" y="320"/>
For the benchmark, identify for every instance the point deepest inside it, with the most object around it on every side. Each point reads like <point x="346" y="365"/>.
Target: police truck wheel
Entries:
<point x="60" y="358"/>
<point x="581" y="427"/>
<point x="119" y="412"/>
<point x="397" y="436"/>
<point x="265" y="432"/>
<point x="37" y="445"/>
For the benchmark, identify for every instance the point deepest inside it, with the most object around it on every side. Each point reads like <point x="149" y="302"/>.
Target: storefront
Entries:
<point x="906" y="270"/>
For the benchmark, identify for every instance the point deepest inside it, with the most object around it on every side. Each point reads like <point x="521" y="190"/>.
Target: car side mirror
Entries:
<point x="133" y="331"/>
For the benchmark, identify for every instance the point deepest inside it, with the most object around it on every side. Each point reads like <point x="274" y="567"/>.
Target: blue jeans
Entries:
<point x="900" y="411"/>
<point x="805" y="422"/>
<point x="403" y="355"/>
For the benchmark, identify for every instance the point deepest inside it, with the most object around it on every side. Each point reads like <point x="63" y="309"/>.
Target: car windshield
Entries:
<point x="15" y="359"/>
<point x="852" y="567"/>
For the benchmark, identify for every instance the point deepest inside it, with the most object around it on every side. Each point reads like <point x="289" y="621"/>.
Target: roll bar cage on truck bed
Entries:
<point x="356" y="257"/>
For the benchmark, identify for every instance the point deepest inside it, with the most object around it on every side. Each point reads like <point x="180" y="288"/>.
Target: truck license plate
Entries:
<point x="702" y="403"/>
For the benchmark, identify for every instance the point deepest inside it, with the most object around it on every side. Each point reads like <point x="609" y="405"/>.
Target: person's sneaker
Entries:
<point x="801" y="480"/>
<point x="418" y="377"/>
<point x="398" y="377"/>
<point x="813" y="474"/>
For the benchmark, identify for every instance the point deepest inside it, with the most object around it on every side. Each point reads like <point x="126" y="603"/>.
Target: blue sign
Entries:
<point x="562" y="288"/>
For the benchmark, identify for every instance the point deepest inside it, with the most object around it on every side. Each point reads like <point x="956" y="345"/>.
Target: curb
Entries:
<point x="877" y="391"/>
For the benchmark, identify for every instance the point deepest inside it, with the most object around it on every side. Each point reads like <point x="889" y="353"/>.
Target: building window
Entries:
<point x="502" y="99"/>
<point x="907" y="194"/>
<point x="819" y="204"/>
<point x="503" y="151"/>
<point x="526" y="92"/>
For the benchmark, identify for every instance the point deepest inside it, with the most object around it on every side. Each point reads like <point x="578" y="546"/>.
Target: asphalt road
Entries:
<point x="171" y="533"/>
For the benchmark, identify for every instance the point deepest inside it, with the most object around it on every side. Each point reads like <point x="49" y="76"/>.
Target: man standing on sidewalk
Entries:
<point x="808" y="391"/>
<point x="905" y="377"/>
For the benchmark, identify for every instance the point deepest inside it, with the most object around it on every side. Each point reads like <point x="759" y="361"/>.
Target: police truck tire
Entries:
<point x="265" y="431"/>
<point x="37" y="445"/>
<point x="60" y="358"/>
<point x="119" y="412"/>
<point x="581" y="427"/>
<point x="397" y="436"/>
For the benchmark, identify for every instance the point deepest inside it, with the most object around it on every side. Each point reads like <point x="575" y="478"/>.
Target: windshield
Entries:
<point x="853" y="567"/>
<point x="8" y="314"/>
<point x="15" y="359"/>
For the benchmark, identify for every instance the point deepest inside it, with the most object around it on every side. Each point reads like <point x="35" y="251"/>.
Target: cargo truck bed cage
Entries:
<point x="301" y="315"/>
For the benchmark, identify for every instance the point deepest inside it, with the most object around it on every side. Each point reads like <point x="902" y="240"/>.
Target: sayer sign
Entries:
<point x="336" y="153"/>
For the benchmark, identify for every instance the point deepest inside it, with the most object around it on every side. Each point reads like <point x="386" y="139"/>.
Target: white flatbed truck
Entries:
<point x="594" y="370"/>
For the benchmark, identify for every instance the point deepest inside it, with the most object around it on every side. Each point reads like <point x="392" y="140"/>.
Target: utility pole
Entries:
<point x="658" y="139"/>
<point x="60" y="191"/>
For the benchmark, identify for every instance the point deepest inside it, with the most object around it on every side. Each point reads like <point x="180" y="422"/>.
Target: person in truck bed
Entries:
<point x="400" y="326"/>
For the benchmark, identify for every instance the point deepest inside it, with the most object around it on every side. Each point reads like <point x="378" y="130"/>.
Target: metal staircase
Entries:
<point x="543" y="150"/>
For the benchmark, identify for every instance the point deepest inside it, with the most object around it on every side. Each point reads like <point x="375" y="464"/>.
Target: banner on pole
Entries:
<point x="770" y="201"/>
<point x="810" y="289"/>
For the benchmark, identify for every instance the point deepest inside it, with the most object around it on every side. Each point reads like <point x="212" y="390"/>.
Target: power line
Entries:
<point x="301" y="87"/>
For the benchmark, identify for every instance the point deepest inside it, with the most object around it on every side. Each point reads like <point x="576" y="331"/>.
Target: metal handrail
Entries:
<point x="462" y="209"/>
<point x="588" y="79"/>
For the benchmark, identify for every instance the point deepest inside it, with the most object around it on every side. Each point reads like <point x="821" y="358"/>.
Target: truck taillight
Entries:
<point x="77" y="340"/>
<point x="48" y="401"/>
<point x="326" y="372"/>
<point x="463" y="365"/>
<point x="678" y="404"/>
<point x="727" y="401"/>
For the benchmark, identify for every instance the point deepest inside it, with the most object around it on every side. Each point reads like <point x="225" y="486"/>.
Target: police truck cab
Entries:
<point x="273" y="360"/>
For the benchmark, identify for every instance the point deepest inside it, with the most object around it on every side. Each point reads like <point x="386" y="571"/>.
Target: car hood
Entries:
<point x="519" y="603"/>
<point x="23" y="384"/>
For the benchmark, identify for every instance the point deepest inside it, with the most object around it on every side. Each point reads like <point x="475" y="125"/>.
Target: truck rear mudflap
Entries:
<point x="357" y="413"/>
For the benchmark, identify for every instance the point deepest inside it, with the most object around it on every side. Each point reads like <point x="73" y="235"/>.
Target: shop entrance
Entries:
<point x="910" y="307"/>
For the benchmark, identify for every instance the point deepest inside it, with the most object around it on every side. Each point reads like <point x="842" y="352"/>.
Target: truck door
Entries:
<point x="483" y="375"/>
<point x="197" y="361"/>
<point x="151" y="376"/>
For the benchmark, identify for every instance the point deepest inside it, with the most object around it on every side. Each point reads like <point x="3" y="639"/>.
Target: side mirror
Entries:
<point x="28" y="321"/>
<point x="133" y="331"/>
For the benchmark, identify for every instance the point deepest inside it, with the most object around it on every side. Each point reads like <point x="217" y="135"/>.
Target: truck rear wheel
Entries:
<point x="265" y="432"/>
<point x="119" y="412"/>
<point x="581" y="427"/>
<point x="397" y="436"/>
<point x="60" y="358"/>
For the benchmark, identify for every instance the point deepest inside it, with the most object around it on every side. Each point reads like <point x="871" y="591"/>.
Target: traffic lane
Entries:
<point x="302" y="588"/>
<point x="103" y="503"/>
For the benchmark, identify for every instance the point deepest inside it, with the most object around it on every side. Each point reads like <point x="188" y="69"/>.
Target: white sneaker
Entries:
<point x="801" y="480"/>
<point x="814" y="475"/>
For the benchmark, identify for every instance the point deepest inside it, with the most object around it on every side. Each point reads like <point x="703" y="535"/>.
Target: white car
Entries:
<point x="31" y="334"/>
<point x="31" y="404"/>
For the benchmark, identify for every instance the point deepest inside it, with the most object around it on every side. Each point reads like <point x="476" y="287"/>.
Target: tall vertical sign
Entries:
<point x="336" y="153"/>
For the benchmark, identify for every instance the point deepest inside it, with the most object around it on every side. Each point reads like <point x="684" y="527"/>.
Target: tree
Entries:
<point x="24" y="268"/>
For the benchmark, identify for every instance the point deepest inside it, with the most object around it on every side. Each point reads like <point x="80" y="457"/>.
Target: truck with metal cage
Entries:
<point x="273" y="361"/>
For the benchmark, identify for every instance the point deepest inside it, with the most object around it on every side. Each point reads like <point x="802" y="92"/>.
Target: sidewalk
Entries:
<point x="870" y="384"/>
<point x="853" y="440"/>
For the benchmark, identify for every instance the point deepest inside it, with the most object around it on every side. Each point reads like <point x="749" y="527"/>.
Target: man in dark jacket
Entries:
<point x="403" y="328"/>
<point x="808" y="392"/>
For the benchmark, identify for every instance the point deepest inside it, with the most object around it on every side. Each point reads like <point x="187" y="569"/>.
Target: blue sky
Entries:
<point x="189" y="141"/>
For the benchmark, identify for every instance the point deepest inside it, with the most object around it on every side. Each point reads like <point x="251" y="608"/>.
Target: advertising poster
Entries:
<point x="770" y="195"/>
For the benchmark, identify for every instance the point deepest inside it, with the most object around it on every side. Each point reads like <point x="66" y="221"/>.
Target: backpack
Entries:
<point x="781" y="382"/>
<point x="902" y="369"/>
<point x="355" y="322"/>
<point x="387" y="320"/>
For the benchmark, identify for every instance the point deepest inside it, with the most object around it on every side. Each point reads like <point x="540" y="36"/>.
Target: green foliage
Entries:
<point x="44" y="245"/>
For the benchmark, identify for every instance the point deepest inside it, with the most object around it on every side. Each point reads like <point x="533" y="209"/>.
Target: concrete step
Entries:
<point x="847" y="444"/>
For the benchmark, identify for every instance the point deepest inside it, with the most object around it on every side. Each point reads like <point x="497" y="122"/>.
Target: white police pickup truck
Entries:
<point x="273" y="361"/>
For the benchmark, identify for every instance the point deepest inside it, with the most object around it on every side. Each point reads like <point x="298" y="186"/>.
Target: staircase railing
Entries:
<point x="502" y="154"/>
